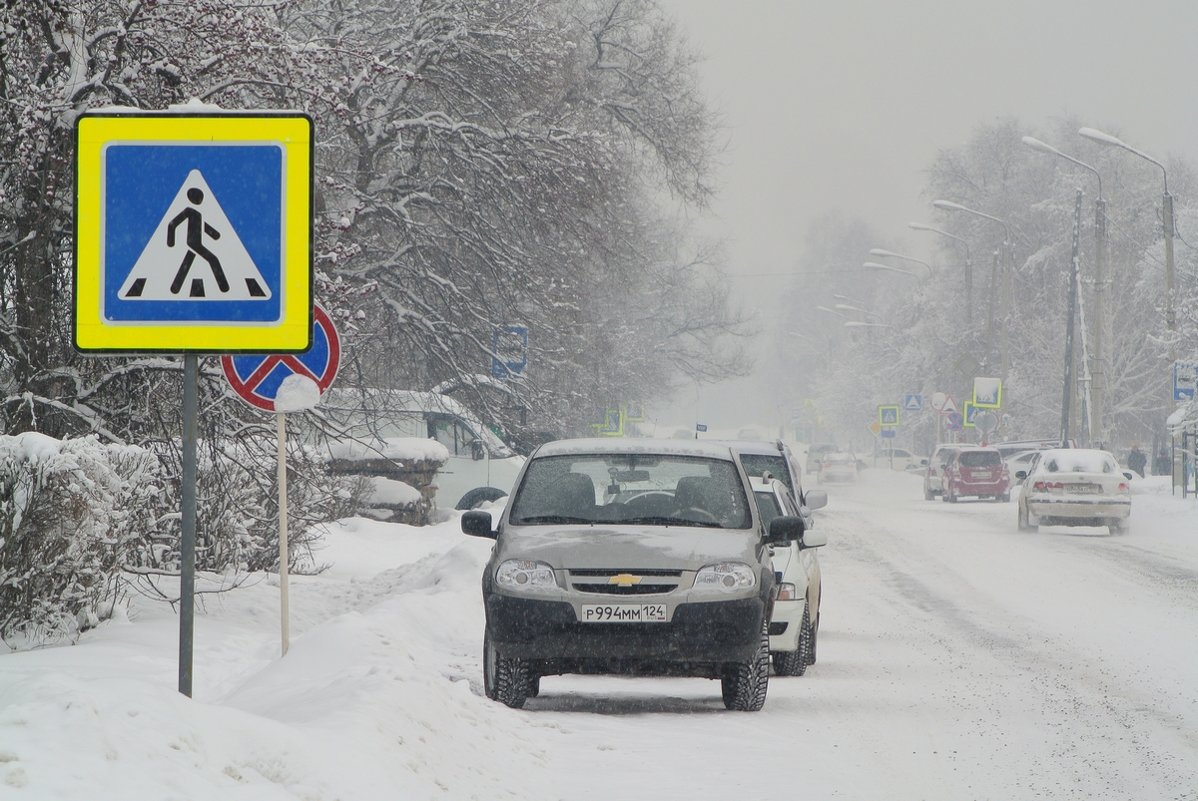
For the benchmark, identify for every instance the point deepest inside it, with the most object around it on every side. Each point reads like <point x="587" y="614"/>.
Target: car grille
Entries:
<point x="596" y="581"/>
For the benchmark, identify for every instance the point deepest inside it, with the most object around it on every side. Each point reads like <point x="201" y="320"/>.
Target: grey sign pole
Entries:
<point x="187" y="551"/>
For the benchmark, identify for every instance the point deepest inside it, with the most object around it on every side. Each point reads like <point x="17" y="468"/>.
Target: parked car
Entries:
<point x="630" y="556"/>
<point x="933" y="478"/>
<point x="364" y="425"/>
<point x="1075" y="487"/>
<point x="978" y="472"/>
<point x="1017" y="461"/>
<point x="896" y="459"/>
<point x="778" y="460"/>
<point x="794" y="624"/>
<point x="838" y="467"/>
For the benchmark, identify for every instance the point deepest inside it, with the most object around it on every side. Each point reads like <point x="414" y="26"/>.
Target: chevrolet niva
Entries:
<point x="630" y="557"/>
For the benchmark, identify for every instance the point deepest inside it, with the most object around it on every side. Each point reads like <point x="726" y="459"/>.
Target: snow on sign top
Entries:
<point x="193" y="231"/>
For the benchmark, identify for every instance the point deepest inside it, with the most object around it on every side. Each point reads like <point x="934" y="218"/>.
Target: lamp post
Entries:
<point x="1100" y="336"/>
<point x="1005" y="294"/>
<point x="873" y="265"/>
<point x="1166" y="221"/>
<point x="968" y="263"/>
<point x="892" y="255"/>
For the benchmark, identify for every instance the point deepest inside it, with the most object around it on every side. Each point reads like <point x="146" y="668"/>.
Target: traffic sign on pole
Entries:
<point x="193" y="232"/>
<point x="257" y="379"/>
<point x="913" y="402"/>
<point x="888" y="415"/>
<point x="509" y="346"/>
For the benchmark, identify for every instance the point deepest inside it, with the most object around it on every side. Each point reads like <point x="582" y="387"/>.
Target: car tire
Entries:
<point x="744" y="685"/>
<point x="1119" y="527"/>
<point x="477" y="496"/>
<point x="788" y="663"/>
<point x="534" y="686"/>
<point x="807" y="639"/>
<point x="950" y="496"/>
<point x="928" y="495"/>
<point x="1004" y="498"/>
<point x="506" y="679"/>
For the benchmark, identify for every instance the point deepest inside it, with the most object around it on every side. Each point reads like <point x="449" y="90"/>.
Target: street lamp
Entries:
<point x="1097" y="356"/>
<point x="873" y="265"/>
<point x="1166" y="220"/>
<point x="968" y="261"/>
<point x="1008" y="244"/>
<point x="892" y="255"/>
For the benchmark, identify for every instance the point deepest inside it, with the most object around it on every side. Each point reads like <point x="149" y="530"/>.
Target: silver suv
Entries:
<point x="630" y="556"/>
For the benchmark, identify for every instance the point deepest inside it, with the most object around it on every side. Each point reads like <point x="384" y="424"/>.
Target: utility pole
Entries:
<point x="1067" y="432"/>
<point x="1101" y="326"/>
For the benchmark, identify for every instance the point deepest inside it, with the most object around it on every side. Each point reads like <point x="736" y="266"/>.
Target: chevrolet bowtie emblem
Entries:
<point x="624" y="580"/>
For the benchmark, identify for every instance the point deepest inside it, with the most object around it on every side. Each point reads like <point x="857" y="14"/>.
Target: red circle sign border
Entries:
<point x="243" y="389"/>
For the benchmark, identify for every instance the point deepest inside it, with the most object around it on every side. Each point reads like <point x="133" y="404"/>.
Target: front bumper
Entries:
<point x="787" y="621"/>
<point x="707" y="633"/>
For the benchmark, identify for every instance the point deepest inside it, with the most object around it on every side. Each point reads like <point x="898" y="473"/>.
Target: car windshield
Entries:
<point x="979" y="459"/>
<point x="756" y="465"/>
<point x="631" y="489"/>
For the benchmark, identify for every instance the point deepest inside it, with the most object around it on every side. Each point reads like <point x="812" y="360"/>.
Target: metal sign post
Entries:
<point x="257" y="380"/>
<point x="187" y="549"/>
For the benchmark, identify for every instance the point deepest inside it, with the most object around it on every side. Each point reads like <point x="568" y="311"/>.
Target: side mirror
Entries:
<point x="815" y="499"/>
<point x="813" y="539"/>
<point x="785" y="529"/>
<point x="1128" y="474"/>
<point x="1021" y="474"/>
<point x="478" y="451"/>
<point x="478" y="524"/>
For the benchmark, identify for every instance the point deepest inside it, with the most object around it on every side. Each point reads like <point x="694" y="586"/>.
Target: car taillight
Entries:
<point x="1048" y="485"/>
<point x="1124" y="487"/>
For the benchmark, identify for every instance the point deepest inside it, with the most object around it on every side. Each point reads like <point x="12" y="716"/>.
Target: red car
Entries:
<point x="979" y="472"/>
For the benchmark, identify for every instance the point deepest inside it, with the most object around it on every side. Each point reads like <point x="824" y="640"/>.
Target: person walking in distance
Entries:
<point x="1136" y="460"/>
<point x="194" y="238"/>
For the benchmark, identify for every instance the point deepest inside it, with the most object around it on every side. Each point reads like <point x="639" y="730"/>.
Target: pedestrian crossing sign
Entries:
<point x="888" y="415"/>
<point x="193" y="232"/>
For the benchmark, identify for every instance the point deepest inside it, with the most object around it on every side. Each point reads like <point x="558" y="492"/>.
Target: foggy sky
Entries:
<point x="841" y="104"/>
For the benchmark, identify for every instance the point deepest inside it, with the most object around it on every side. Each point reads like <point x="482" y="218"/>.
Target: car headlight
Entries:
<point x="726" y="577"/>
<point x="523" y="574"/>
<point x="786" y="592"/>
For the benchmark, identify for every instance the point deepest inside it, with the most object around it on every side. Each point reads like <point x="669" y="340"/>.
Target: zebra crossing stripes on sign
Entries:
<point x="913" y="402"/>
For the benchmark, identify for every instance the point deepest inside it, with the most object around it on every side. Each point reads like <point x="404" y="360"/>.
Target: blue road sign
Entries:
<point x="509" y="346"/>
<point x="889" y="433"/>
<point x="913" y="402"/>
<point x="1185" y="377"/>
<point x="953" y="421"/>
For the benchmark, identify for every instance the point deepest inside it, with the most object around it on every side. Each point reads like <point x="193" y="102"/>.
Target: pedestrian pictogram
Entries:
<point x="913" y="402"/>
<point x="257" y="379"/>
<point x="194" y="252"/>
<point x="193" y="232"/>
<point x="888" y="415"/>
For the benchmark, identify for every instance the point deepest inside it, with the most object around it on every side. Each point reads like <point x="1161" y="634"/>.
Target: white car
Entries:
<point x="933" y="480"/>
<point x="896" y="459"/>
<point x="794" y="624"/>
<point x="1075" y="487"/>
<point x="837" y="467"/>
<point x="1020" y="460"/>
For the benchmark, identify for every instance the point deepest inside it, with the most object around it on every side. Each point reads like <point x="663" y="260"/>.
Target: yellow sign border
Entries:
<point x="897" y="415"/>
<point x="291" y="131"/>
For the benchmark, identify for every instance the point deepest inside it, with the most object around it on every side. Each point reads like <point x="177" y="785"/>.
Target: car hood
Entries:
<point x="629" y="547"/>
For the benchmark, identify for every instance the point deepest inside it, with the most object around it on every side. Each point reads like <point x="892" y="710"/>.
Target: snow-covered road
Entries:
<point x="958" y="659"/>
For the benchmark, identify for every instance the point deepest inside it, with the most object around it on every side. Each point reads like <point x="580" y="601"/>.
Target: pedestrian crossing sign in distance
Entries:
<point x="193" y="232"/>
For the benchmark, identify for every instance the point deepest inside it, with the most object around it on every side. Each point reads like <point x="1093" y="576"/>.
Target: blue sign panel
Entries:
<point x="258" y="378"/>
<point x="889" y="433"/>
<point x="509" y="346"/>
<point x="1185" y="377"/>
<point x="913" y="402"/>
<point x="192" y="233"/>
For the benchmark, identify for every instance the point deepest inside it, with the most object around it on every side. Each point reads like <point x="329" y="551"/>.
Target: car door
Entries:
<point x="805" y="557"/>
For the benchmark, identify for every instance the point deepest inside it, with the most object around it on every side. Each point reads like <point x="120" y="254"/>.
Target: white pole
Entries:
<point x="281" y="419"/>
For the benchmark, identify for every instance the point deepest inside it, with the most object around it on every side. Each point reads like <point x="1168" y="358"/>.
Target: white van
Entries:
<point x="480" y="466"/>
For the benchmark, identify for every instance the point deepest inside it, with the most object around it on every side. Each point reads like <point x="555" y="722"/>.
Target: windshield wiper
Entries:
<point x="533" y="520"/>
<point x="665" y="520"/>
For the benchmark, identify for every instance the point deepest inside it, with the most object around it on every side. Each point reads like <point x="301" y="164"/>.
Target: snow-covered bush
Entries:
<point x="72" y="512"/>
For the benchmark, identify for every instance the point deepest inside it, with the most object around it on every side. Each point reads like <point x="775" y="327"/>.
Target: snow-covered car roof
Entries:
<point x="604" y="445"/>
<point x="1077" y="460"/>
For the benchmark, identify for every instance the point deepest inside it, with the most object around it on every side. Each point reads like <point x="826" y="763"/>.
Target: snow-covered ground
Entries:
<point x="958" y="659"/>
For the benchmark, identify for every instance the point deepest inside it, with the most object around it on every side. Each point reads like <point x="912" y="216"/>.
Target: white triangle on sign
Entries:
<point x="194" y="254"/>
<point x="949" y="407"/>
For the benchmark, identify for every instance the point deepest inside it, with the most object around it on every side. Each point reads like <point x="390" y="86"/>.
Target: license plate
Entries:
<point x="624" y="613"/>
<point x="1085" y="489"/>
